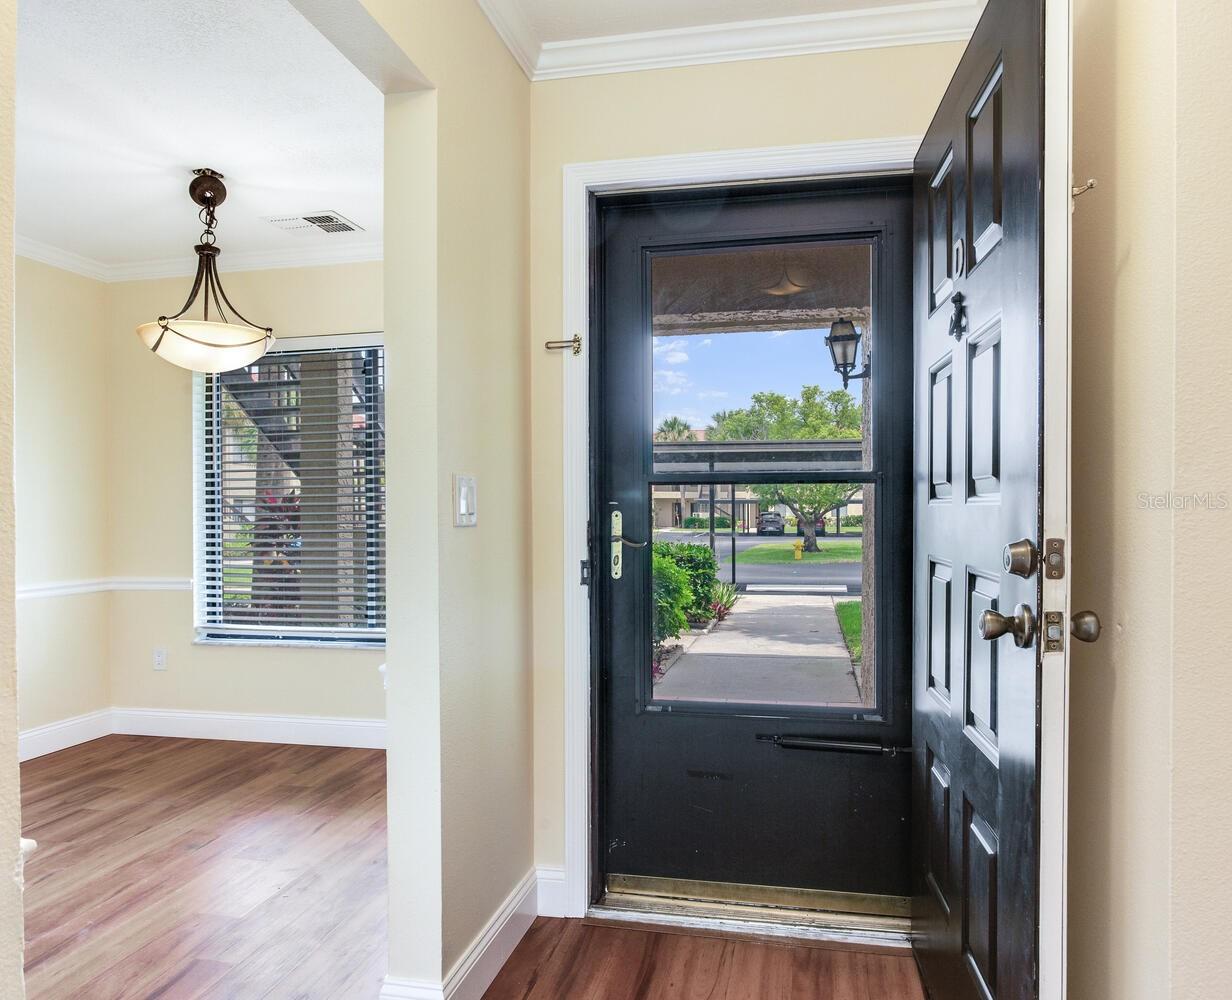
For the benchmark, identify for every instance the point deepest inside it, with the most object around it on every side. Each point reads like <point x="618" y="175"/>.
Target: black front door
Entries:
<point x="978" y="458"/>
<point x="751" y="516"/>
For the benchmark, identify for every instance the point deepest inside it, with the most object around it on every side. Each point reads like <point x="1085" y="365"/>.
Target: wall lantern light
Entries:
<point x="844" y="344"/>
<point x="226" y="340"/>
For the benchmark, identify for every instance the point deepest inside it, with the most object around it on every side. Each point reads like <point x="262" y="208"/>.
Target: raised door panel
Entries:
<point x="940" y="580"/>
<point x="985" y="149"/>
<point x="941" y="431"/>
<point x="941" y="232"/>
<point x="979" y="932"/>
<point x="980" y="716"/>
<point x="984" y="413"/>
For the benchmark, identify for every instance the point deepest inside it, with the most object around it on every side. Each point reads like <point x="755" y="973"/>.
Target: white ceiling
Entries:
<point x="558" y="38"/>
<point x="565" y="20"/>
<point x="118" y="100"/>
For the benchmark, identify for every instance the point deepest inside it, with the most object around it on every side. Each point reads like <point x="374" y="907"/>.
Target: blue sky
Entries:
<point x="694" y="376"/>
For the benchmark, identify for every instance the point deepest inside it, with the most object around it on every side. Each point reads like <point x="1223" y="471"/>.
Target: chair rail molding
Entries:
<point x="908" y="23"/>
<point x="101" y="585"/>
<point x="570" y="897"/>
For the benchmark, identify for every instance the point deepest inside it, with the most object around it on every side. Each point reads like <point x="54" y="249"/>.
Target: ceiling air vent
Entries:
<point x="325" y="222"/>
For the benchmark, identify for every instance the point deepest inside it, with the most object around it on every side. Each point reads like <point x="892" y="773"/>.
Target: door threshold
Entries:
<point x="696" y="916"/>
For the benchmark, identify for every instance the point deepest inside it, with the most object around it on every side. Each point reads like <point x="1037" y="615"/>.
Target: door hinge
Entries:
<point x="585" y="581"/>
<point x="1054" y="558"/>
<point x="1054" y="631"/>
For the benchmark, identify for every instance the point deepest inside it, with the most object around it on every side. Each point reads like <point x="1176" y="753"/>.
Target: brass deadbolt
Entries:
<point x="1020" y="558"/>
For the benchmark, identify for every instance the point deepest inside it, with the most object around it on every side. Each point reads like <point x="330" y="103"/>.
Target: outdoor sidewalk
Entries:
<point x="773" y="649"/>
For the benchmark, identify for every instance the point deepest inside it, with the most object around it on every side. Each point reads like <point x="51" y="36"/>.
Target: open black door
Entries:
<point x="979" y="296"/>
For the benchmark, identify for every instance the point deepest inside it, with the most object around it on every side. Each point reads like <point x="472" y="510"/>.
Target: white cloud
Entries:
<point x="712" y="394"/>
<point x="670" y="383"/>
<point x="707" y="342"/>
<point x="672" y="352"/>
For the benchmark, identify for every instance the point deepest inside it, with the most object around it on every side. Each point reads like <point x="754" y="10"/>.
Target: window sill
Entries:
<point x="321" y="644"/>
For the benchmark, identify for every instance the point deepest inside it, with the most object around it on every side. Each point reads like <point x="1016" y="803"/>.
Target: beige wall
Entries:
<point x="772" y="102"/>
<point x="456" y="314"/>
<point x="1124" y="402"/>
<point x="11" y="943"/>
<point x="1201" y="905"/>
<point x="104" y="489"/>
<point x="149" y="508"/>
<point x="61" y="472"/>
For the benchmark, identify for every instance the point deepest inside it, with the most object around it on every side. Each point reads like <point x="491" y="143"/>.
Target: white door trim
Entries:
<point x="581" y="180"/>
<point x="1054" y="694"/>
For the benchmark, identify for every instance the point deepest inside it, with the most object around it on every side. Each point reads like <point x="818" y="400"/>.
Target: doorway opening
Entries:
<point x="753" y="507"/>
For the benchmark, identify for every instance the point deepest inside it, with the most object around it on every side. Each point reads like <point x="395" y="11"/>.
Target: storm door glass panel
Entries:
<point x="769" y="602"/>
<point x="743" y="379"/>
<point x="762" y="504"/>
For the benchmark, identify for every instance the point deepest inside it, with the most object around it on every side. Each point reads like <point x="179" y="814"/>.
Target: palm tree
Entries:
<point x="675" y="429"/>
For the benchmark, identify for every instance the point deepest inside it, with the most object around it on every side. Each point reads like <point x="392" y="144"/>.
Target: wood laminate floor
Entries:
<point x="579" y="960"/>
<point x="178" y="869"/>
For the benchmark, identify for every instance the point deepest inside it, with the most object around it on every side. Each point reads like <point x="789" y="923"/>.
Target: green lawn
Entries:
<point x="850" y="620"/>
<point x="830" y="552"/>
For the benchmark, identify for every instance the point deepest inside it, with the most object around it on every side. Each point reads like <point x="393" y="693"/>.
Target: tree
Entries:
<point x="675" y="429"/>
<point x="771" y="416"/>
<point x="815" y="416"/>
<point x="810" y="502"/>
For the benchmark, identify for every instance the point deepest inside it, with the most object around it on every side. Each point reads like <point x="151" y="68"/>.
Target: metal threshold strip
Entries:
<point x="854" y="919"/>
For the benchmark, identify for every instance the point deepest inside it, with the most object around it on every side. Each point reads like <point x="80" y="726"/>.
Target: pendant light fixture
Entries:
<point x="221" y="340"/>
<point x="786" y="286"/>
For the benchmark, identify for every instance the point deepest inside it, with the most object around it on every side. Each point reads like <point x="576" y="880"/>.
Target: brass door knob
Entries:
<point x="1020" y="558"/>
<point x="1084" y="626"/>
<point x="1021" y="625"/>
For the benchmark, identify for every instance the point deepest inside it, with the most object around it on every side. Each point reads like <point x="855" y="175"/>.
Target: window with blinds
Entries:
<point x="291" y="498"/>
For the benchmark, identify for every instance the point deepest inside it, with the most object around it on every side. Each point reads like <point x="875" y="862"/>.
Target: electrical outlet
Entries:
<point x="160" y="659"/>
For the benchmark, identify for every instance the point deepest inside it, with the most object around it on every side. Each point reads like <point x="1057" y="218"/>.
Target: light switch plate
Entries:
<point x="465" y="501"/>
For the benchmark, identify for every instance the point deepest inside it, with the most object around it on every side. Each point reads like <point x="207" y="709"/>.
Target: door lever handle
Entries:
<point x="1021" y="625"/>
<point x="626" y="541"/>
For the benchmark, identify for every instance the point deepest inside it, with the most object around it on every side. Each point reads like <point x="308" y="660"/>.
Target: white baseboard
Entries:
<point x="410" y="989"/>
<point x="302" y="730"/>
<point x="39" y="741"/>
<point x="553" y="897"/>
<point x="473" y="973"/>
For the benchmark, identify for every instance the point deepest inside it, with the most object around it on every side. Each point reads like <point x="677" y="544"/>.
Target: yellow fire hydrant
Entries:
<point x="798" y="546"/>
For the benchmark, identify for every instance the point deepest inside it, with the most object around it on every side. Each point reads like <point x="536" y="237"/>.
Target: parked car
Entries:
<point x="770" y="522"/>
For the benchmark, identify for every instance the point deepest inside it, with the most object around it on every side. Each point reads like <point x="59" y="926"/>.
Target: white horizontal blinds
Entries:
<point x="293" y="504"/>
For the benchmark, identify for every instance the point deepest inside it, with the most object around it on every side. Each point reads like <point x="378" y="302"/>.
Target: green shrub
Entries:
<point x="672" y="598"/>
<point x="703" y="521"/>
<point x="853" y="521"/>
<point x="702" y="568"/>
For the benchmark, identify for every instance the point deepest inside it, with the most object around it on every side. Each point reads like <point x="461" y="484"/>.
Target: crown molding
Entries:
<point x="185" y="266"/>
<point x="65" y="260"/>
<point x="515" y="31"/>
<point x="911" y="23"/>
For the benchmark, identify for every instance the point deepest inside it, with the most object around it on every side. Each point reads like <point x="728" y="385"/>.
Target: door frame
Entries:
<point x="567" y="892"/>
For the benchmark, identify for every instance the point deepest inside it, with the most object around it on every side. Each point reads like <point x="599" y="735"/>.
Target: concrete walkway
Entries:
<point x="773" y="649"/>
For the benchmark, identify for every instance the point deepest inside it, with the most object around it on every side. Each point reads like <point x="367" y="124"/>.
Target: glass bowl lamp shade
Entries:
<point x="214" y="343"/>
